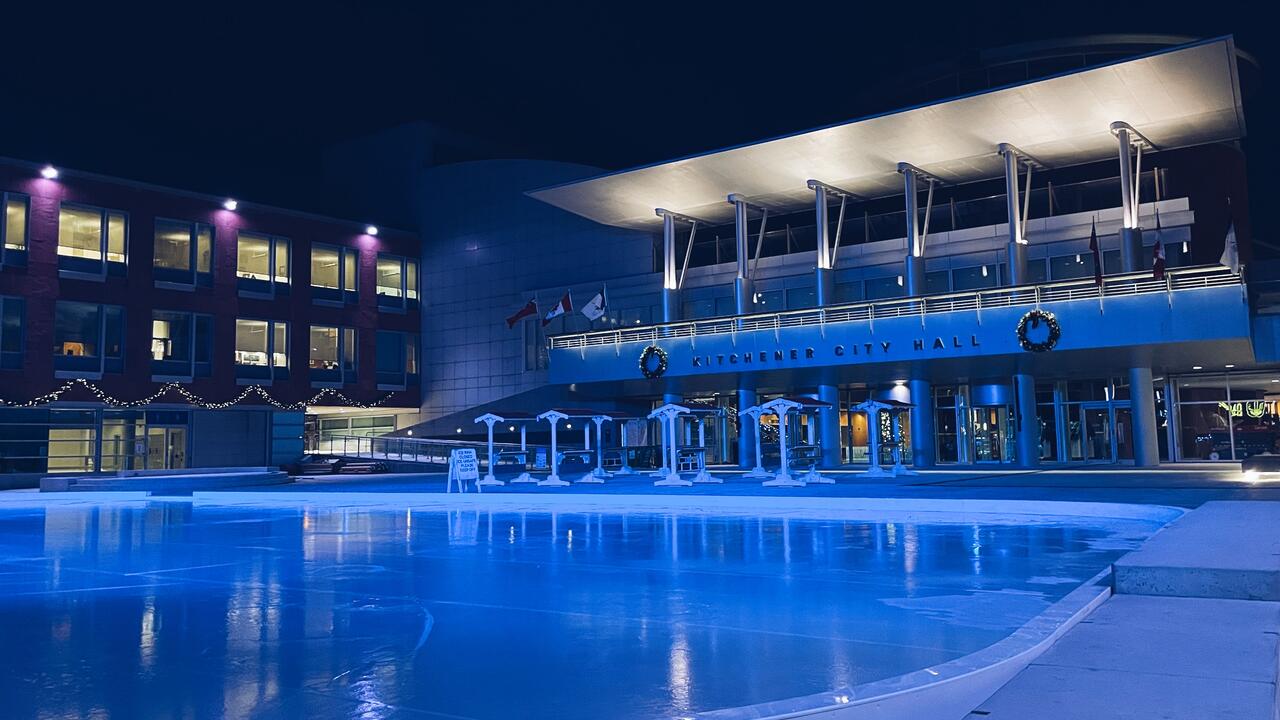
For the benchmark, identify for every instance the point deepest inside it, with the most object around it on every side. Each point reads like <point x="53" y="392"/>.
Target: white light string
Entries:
<point x="191" y="397"/>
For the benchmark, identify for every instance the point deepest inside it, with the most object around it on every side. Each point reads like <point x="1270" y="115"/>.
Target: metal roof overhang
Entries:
<point x="1181" y="97"/>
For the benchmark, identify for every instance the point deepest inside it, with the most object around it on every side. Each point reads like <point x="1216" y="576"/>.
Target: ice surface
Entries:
<point x="165" y="609"/>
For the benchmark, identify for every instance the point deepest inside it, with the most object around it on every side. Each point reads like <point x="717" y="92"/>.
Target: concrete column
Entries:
<point x="1028" y="422"/>
<point x="742" y="281"/>
<point x="1017" y="248"/>
<point x="1131" y="259"/>
<point x="923" y="452"/>
<point x="746" y="435"/>
<point x="829" y="425"/>
<point x="1146" y="442"/>
<point x="913" y="267"/>
<point x="670" y="277"/>
<point x="670" y="291"/>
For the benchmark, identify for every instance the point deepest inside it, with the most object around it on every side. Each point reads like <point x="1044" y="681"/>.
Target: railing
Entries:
<point x="406" y="449"/>
<point x="1140" y="283"/>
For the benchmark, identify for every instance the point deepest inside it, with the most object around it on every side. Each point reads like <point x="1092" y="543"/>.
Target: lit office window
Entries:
<point x="170" y="336"/>
<point x="333" y="274"/>
<point x="13" y="231"/>
<point x="262" y="263"/>
<point x="262" y="349"/>
<point x="333" y="354"/>
<point x="390" y="276"/>
<point x="181" y="344"/>
<point x="88" y="339"/>
<point x="91" y="240"/>
<point x="325" y="270"/>
<point x="183" y="253"/>
<point x="12" y="316"/>
<point x="397" y="282"/>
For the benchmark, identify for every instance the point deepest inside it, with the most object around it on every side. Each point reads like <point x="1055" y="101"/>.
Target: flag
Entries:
<point x="1157" y="253"/>
<point x="1231" y="251"/>
<point x="1097" y="253"/>
<point x="595" y="308"/>
<point x="563" y="306"/>
<point x="530" y="308"/>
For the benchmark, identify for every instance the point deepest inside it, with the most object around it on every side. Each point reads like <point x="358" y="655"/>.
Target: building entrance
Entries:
<point x="166" y="448"/>
<point x="1101" y="432"/>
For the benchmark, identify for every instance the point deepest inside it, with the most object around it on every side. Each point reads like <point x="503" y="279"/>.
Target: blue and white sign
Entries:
<point x="463" y="466"/>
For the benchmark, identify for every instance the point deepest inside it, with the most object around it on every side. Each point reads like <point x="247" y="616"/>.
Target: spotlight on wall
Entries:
<point x="230" y="204"/>
<point x="49" y="172"/>
<point x="370" y="229"/>
<point x="1197" y="367"/>
<point x="512" y="428"/>
<point x="410" y="432"/>
<point x="899" y="281"/>
<point x="899" y="383"/>
<point x="568" y="426"/>
<point x="984" y="271"/>
<point x="1230" y="366"/>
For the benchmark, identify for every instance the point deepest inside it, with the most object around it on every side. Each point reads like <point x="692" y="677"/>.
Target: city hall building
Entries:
<point x="988" y="258"/>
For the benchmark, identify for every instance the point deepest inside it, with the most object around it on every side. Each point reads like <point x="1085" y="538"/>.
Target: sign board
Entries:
<point x="540" y="459"/>
<point x="463" y="466"/>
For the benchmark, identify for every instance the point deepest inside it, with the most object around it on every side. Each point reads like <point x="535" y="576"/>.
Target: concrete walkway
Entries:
<point x="1186" y="648"/>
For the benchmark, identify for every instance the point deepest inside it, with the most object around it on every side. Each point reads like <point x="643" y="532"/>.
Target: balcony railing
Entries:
<point x="1140" y="283"/>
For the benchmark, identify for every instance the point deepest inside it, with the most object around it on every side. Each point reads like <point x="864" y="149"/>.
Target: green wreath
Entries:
<point x="1032" y="320"/>
<point x="647" y="355"/>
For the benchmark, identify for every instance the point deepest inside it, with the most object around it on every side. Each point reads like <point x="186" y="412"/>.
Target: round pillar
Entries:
<point x="1027" y="440"/>
<point x="923" y="453"/>
<point x="1146" y="440"/>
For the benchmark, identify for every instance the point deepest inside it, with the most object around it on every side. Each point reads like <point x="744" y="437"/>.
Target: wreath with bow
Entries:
<point x="647" y="368"/>
<point x="1032" y="320"/>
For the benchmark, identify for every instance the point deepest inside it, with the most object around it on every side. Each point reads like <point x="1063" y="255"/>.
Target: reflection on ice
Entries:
<point x="165" y="609"/>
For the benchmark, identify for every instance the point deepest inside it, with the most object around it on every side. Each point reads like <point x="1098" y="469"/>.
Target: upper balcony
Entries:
<point x="1133" y="313"/>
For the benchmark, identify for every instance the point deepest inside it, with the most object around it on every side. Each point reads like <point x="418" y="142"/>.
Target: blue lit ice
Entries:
<point x="171" y="609"/>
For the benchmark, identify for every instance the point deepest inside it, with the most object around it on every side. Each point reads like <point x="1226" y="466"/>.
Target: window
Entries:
<point x="333" y="274"/>
<point x="884" y="287"/>
<point x="181" y="344"/>
<point x="13" y="232"/>
<point x="397" y="282"/>
<point x="333" y="355"/>
<point x="183" y="253"/>
<point x="92" y="241"/>
<point x="88" y="339"/>
<point x="262" y="263"/>
<point x="262" y="349"/>
<point x="974" y="278"/>
<point x="801" y="298"/>
<point x="397" y="359"/>
<point x="12" y="311"/>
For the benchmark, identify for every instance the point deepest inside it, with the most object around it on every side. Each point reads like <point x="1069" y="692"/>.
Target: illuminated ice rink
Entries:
<point x="156" y="609"/>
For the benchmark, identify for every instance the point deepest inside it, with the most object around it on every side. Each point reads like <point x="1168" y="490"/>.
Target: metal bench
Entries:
<point x="694" y="459"/>
<point x="804" y="461"/>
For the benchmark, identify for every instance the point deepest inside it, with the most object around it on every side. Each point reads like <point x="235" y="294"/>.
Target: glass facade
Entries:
<point x="1226" y="417"/>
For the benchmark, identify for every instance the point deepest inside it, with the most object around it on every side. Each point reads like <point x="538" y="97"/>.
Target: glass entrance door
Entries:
<point x="166" y="448"/>
<point x="1097" y="433"/>
<point x="991" y="437"/>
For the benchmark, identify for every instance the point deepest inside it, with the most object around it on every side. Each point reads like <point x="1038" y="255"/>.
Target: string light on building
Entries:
<point x="192" y="398"/>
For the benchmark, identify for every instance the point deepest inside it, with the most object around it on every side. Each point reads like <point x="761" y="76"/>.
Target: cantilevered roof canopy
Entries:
<point x="1177" y="98"/>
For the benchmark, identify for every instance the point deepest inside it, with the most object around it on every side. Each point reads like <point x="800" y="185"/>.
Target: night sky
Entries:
<point x="242" y="99"/>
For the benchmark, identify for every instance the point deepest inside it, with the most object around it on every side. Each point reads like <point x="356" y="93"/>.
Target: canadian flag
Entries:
<point x="565" y="305"/>
<point x="1157" y="253"/>
<point x="530" y="308"/>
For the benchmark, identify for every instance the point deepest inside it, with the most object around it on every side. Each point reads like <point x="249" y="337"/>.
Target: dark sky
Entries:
<point x="241" y="99"/>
